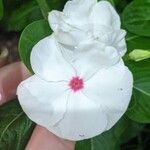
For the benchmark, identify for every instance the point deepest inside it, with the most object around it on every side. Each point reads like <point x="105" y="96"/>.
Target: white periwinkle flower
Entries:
<point x="76" y="100"/>
<point x="84" y="21"/>
<point x="78" y="94"/>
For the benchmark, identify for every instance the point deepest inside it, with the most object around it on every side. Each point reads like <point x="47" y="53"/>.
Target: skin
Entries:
<point x="41" y="139"/>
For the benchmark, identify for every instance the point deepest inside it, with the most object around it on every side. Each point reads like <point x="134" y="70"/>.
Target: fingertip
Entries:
<point x="10" y="77"/>
<point x="45" y="140"/>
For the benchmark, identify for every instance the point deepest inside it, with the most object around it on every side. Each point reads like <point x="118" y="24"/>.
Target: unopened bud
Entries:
<point x="139" y="54"/>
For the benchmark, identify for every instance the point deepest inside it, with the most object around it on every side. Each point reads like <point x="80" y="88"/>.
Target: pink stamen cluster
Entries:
<point x="76" y="84"/>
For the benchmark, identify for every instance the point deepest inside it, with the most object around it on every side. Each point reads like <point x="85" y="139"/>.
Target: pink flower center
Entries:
<point x="76" y="84"/>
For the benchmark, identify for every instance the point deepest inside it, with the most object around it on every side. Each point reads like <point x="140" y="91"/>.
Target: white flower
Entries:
<point x="79" y="94"/>
<point x="84" y="21"/>
<point x="77" y="100"/>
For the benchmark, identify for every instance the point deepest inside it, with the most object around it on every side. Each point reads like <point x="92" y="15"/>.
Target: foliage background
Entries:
<point x="132" y="132"/>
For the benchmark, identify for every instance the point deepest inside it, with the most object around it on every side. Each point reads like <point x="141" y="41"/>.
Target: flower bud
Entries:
<point x="139" y="54"/>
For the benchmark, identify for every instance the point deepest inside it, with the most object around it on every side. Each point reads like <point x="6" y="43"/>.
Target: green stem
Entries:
<point x="44" y="7"/>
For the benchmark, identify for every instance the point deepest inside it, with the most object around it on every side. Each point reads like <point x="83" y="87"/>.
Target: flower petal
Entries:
<point x="72" y="36"/>
<point x="104" y="14"/>
<point x="43" y="102"/>
<point x="56" y="21"/>
<point x="88" y="58"/>
<point x="47" y="61"/>
<point x="115" y="39"/>
<point x="111" y="88"/>
<point x="120" y="42"/>
<point x="78" y="12"/>
<point x="83" y="119"/>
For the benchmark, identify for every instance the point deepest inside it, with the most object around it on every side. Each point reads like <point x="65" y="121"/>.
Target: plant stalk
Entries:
<point x="44" y="7"/>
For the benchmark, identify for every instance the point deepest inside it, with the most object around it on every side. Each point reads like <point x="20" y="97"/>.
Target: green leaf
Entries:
<point x="32" y="34"/>
<point x="22" y="16"/>
<point x="15" y="127"/>
<point x="137" y="42"/>
<point x="139" y="108"/>
<point x="136" y="17"/>
<point x="140" y="104"/>
<point x="1" y="9"/>
<point x="110" y="140"/>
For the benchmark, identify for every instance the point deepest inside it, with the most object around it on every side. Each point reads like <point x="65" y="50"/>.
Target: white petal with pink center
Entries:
<point x="79" y="99"/>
